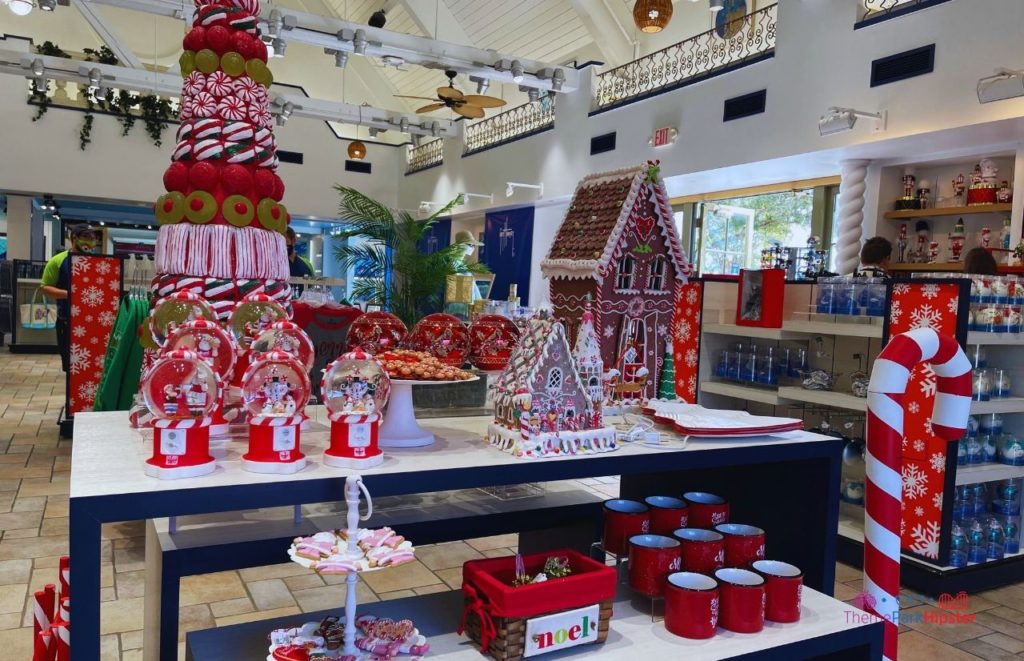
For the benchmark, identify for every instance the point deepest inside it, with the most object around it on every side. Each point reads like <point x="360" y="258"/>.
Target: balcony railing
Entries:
<point x="519" y="122"/>
<point x="427" y="155"/>
<point x="875" y="11"/>
<point x="748" y="38"/>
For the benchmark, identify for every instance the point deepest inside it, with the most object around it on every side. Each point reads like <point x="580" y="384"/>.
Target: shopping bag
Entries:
<point x="38" y="316"/>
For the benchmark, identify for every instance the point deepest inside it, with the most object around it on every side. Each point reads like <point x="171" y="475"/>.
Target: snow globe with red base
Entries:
<point x="355" y="389"/>
<point x="287" y="337"/>
<point x="216" y="348"/>
<point x="275" y="389"/>
<point x="172" y="311"/>
<point x="181" y="392"/>
<point x="253" y="315"/>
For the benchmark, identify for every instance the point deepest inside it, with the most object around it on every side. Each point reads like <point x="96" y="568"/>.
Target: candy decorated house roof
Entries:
<point x="601" y="209"/>
<point x="531" y="353"/>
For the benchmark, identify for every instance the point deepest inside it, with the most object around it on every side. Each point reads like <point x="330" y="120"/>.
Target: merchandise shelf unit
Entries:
<point x="837" y="340"/>
<point x="949" y="211"/>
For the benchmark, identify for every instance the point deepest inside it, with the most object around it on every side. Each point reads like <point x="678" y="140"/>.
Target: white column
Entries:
<point x="19" y="227"/>
<point x="851" y="214"/>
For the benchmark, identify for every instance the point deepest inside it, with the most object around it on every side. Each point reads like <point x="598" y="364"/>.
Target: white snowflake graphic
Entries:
<point x="691" y="296"/>
<point x="609" y="330"/>
<point x="80" y="357"/>
<point x="103" y="267"/>
<point x="953" y="304"/>
<point x="94" y="340"/>
<point x="80" y="266"/>
<point x="87" y="391"/>
<point x="904" y="445"/>
<point x="915" y="482"/>
<point x="918" y="445"/>
<point x="937" y="500"/>
<point x="926" y="539"/>
<point x="75" y="310"/>
<point x="114" y="285"/>
<point x="928" y="427"/>
<point x="89" y="318"/>
<point x="928" y="383"/>
<point x="683" y="331"/>
<point x="930" y="291"/>
<point x="92" y="296"/>
<point x="919" y="511"/>
<point x="895" y="311"/>
<point x="662" y="330"/>
<point x="107" y="318"/>
<point x="901" y="288"/>
<point x="913" y="407"/>
<point x="925" y="317"/>
<point x="84" y="279"/>
<point x="938" y="462"/>
<point x="690" y="358"/>
<point x="691" y="385"/>
<point x="100" y="359"/>
<point x="78" y="331"/>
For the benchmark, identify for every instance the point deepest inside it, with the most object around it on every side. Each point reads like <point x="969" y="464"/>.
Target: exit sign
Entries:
<point x="562" y="630"/>
<point x="664" y="136"/>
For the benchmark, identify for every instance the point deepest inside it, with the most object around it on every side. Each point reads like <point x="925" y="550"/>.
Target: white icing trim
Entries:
<point x="564" y="444"/>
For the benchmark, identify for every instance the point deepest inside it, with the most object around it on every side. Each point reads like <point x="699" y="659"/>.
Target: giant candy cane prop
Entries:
<point x="884" y="459"/>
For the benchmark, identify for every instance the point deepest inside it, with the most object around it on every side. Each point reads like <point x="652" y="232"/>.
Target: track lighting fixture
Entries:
<point x="359" y="42"/>
<point x="274" y="24"/>
<point x="517" y="71"/>
<point x="510" y="188"/>
<point x="47" y="5"/>
<point x="101" y="93"/>
<point x="374" y="131"/>
<point x="38" y="69"/>
<point x="94" y="77"/>
<point x="717" y="5"/>
<point x="837" y="120"/>
<point x="280" y="45"/>
<point x="532" y="93"/>
<point x="403" y="125"/>
<point x="19" y="7"/>
<point x="286" y="111"/>
<point x="489" y="198"/>
<point x="340" y="59"/>
<point x="435" y="129"/>
<point x="482" y="84"/>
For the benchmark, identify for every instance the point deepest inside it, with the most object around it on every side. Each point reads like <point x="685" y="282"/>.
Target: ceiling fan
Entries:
<point x="467" y="105"/>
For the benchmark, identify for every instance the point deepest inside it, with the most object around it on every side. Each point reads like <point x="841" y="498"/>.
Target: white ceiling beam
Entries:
<point x="606" y="30"/>
<point x="431" y="16"/>
<point x="108" y="35"/>
<point x="142" y="80"/>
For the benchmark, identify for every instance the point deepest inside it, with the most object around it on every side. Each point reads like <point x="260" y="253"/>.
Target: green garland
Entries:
<point x="104" y="55"/>
<point x="38" y="95"/>
<point x="155" y="113"/>
<point x="123" y="104"/>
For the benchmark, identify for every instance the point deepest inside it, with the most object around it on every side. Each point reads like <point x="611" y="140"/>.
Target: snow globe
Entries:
<point x="275" y="389"/>
<point x="376" y="331"/>
<point x="216" y="348"/>
<point x="355" y="389"/>
<point x="172" y="311"/>
<point x="492" y="338"/>
<point x="181" y="391"/>
<point x="253" y="315"/>
<point x="287" y="337"/>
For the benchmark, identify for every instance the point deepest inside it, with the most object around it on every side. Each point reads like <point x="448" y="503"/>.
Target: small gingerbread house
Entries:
<point x="542" y="406"/>
<point x="618" y="246"/>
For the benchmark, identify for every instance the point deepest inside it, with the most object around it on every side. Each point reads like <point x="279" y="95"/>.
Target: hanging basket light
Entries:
<point x="356" y="150"/>
<point x="652" y="15"/>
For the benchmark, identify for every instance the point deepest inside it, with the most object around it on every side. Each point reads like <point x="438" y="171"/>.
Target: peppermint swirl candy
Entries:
<point x="238" y="131"/>
<point x="211" y="15"/>
<point x="261" y="96"/>
<point x="231" y="107"/>
<point x="185" y="108"/>
<point x="194" y="83"/>
<point x="183" y="152"/>
<point x="200" y="128"/>
<point x="248" y="6"/>
<point x="260" y="116"/>
<point x="218" y="84"/>
<point x="204" y="105"/>
<point x="207" y="149"/>
<point x="247" y="89"/>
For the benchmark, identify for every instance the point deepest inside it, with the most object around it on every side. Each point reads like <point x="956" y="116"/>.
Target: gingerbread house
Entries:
<point x="542" y="406"/>
<point x="618" y="247"/>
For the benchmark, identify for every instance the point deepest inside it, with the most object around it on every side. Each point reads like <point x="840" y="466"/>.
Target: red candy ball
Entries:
<point x="260" y="50"/>
<point x="442" y="336"/>
<point x="218" y="39"/>
<point x="203" y="176"/>
<point x="195" y="40"/>
<point x="176" y="177"/>
<point x="278" y="194"/>
<point x="492" y="338"/>
<point x="265" y="184"/>
<point x="242" y="43"/>
<point x="374" y="332"/>
<point x="236" y="180"/>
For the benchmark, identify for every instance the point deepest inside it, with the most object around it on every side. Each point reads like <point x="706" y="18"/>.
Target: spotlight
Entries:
<point x="403" y="125"/>
<point x="47" y="5"/>
<point x="38" y="68"/>
<point x="424" y="206"/>
<point x="56" y="216"/>
<point x="286" y="111"/>
<point x="101" y="93"/>
<point x="1004" y="85"/>
<point x="482" y="84"/>
<point x="717" y="5"/>
<point x="280" y="46"/>
<point x="20" y="7"/>
<point x="94" y="77"/>
<point x="435" y="129"/>
<point x="532" y="94"/>
<point x="359" y="42"/>
<point x="510" y="190"/>
<point x="378" y="19"/>
<point x="557" y="78"/>
<point x="374" y="131"/>
<point x="103" y="223"/>
<point x="149" y="227"/>
<point x="274" y="24"/>
<point x="517" y="71"/>
<point x="340" y="59"/>
<point x="837" y="120"/>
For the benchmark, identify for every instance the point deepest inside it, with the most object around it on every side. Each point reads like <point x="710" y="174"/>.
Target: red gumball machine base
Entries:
<point x="274" y="445"/>
<point x="179" y="451"/>
<point x="354" y="441"/>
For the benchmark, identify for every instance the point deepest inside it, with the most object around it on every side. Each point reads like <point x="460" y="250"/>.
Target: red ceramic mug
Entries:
<point x="703" y="550"/>
<point x="623" y="519"/>
<point x="667" y="514"/>
<point x="743" y="544"/>
<point x="783" y="586"/>
<point x="706" y="509"/>
<point x="651" y="559"/>
<point x="691" y="605"/>
<point x="743" y="596"/>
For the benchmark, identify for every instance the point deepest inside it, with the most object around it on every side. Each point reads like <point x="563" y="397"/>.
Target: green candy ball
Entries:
<point x="232" y="64"/>
<point x="207" y="61"/>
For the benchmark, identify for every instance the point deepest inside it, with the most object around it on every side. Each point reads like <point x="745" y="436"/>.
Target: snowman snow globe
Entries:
<point x="355" y="389"/>
<point x="181" y="391"/>
<point x="275" y="389"/>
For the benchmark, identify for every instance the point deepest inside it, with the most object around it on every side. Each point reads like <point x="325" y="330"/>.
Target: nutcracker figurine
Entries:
<point x="901" y="244"/>
<point x="959" y="191"/>
<point x="956" y="241"/>
<point x="933" y="252"/>
<point x="355" y="389"/>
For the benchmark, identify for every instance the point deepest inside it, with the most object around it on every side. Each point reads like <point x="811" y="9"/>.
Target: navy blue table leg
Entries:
<point x="170" y="584"/>
<point x="85" y="576"/>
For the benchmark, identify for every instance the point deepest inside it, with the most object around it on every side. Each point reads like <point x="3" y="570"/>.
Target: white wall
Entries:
<point x="820" y="61"/>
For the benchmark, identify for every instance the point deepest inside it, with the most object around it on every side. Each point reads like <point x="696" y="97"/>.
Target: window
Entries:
<point x="657" y="276"/>
<point x="624" y="278"/>
<point x="554" y="380"/>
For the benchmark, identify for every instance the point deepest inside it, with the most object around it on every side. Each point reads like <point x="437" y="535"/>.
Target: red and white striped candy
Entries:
<point x="231" y="107"/>
<point x="263" y="137"/>
<point x="246" y="89"/>
<point x="238" y="131"/>
<point x="186" y="423"/>
<point x="210" y="148"/>
<point x="183" y="152"/>
<point x="218" y="84"/>
<point x="194" y="83"/>
<point x="243" y="154"/>
<point x="63" y="642"/>
<point x="248" y="6"/>
<point x="209" y="127"/>
<point x="351" y="419"/>
<point x="262" y="117"/>
<point x="268" y="159"/>
<point x="204" y="105"/>
<point x="281" y="421"/>
<point x="212" y="16"/>
<point x="884" y="459"/>
<point x="185" y="108"/>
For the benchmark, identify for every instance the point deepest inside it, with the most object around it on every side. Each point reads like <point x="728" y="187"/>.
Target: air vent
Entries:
<point x="289" y="156"/>
<point x="901" y="66"/>
<point x="362" y="167"/>
<point x="602" y="143"/>
<point x="739" y="107"/>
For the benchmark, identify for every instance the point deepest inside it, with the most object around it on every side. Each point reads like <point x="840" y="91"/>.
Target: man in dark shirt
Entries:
<point x="56" y="284"/>
<point x="298" y="266"/>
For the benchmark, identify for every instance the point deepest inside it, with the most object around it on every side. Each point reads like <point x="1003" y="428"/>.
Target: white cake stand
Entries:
<point x="400" y="428"/>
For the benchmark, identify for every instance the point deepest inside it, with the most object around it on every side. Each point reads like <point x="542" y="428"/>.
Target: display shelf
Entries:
<point x="825" y="628"/>
<point x="949" y="211"/>
<point x="751" y="393"/>
<point x="839" y="400"/>
<point x="1001" y="405"/>
<point x="754" y="332"/>
<point x="995" y="339"/>
<point x="797" y="329"/>
<point x="30" y="281"/>
<point x="987" y="473"/>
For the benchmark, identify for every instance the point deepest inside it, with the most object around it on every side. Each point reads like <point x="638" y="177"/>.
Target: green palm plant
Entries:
<point x="392" y="270"/>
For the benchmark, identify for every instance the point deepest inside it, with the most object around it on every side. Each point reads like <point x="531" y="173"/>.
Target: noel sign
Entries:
<point x="562" y="630"/>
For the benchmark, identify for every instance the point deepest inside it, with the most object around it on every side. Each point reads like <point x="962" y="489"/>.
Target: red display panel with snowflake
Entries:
<point x="925" y="457"/>
<point x="686" y="339"/>
<point x="94" y="299"/>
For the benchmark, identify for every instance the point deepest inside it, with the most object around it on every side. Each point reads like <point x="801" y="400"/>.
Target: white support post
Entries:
<point x="851" y="214"/>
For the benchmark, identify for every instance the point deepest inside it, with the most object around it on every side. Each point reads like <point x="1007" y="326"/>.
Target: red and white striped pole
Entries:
<point x="884" y="459"/>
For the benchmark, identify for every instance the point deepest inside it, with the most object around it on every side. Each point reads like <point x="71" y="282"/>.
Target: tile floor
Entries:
<point x="34" y="469"/>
